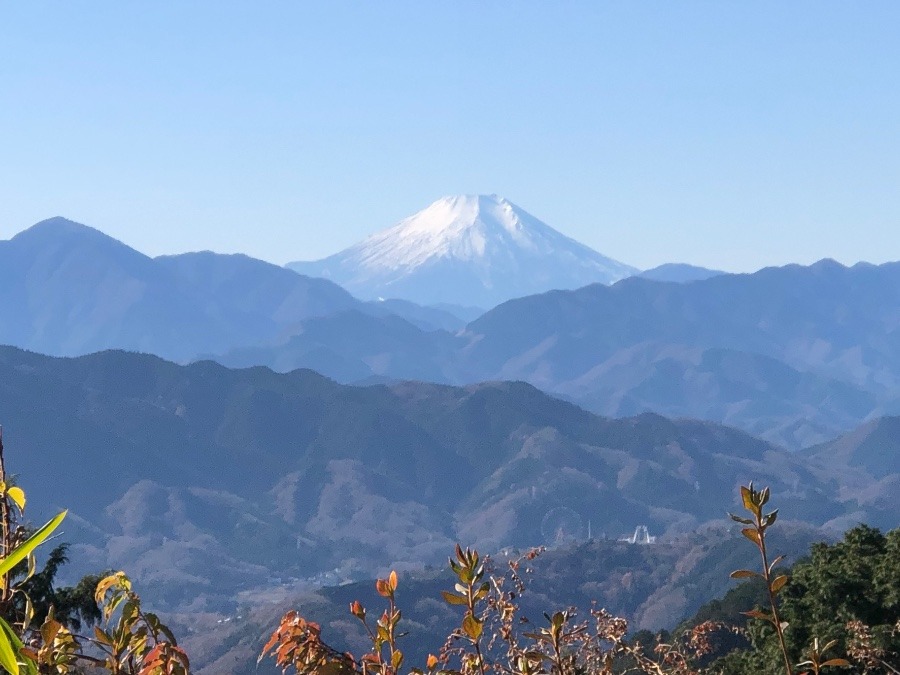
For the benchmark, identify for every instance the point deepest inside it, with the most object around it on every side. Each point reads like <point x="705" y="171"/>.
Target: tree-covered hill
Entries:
<point x="201" y="480"/>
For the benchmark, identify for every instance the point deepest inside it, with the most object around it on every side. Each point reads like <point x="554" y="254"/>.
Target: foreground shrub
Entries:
<point x="130" y="641"/>
<point x="494" y="636"/>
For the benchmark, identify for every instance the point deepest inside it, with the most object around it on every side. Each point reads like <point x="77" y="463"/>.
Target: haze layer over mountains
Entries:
<point x="795" y="355"/>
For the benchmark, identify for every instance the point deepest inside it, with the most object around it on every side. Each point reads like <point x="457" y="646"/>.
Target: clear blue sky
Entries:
<point x="727" y="134"/>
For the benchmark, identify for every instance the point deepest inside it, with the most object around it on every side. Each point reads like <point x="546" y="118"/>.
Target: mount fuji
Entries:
<point x="465" y="250"/>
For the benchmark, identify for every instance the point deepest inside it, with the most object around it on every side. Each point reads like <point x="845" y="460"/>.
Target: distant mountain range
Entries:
<point x="679" y="273"/>
<point x="68" y="289"/>
<point x="468" y="250"/>
<point x="185" y="475"/>
<point x="793" y="354"/>
<point x="210" y="483"/>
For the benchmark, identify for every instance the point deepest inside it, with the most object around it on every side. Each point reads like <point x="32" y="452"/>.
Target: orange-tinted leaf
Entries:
<point x="836" y="662"/>
<point x="756" y="614"/>
<point x="747" y="498"/>
<point x="453" y="599"/>
<point x="751" y="534"/>
<point x="779" y="583"/>
<point x="743" y="574"/>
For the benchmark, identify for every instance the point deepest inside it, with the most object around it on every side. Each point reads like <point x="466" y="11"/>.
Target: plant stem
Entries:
<point x="6" y="529"/>
<point x="774" y="605"/>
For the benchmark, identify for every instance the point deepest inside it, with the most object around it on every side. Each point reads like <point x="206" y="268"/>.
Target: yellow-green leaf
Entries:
<point x="29" y="611"/>
<point x="472" y="627"/>
<point x="8" y="655"/>
<point x="17" y="494"/>
<point x="32" y="566"/>
<point x="747" y="498"/>
<point x="116" y="580"/>
<point x="22" y="550"/>
<point x="21" y="662"/>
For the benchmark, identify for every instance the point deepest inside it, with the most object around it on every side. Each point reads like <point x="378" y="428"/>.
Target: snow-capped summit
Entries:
<point x="465" y="250"/>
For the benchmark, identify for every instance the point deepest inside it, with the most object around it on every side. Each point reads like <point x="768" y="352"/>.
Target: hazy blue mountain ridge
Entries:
<point x="68" y="289"/>
<point x="796" y="354"/>
<point x="679" y="273"/>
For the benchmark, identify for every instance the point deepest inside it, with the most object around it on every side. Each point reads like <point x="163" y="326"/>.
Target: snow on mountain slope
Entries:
<point x="468" y="250"/>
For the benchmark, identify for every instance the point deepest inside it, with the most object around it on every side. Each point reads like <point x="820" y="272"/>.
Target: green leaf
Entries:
<point x="20" y="662"/>
<point x="22" y="550"/>
<point x="8" y="655"/>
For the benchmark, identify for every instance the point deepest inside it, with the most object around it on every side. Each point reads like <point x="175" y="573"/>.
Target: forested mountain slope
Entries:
<point x="201" y="480"/>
